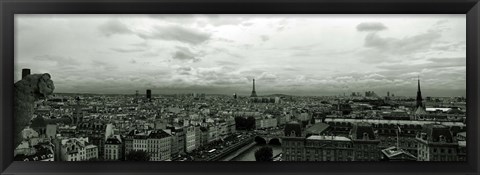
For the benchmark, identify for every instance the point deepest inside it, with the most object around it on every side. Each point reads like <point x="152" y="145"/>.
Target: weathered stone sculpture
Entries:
<point x="28" y="90"/>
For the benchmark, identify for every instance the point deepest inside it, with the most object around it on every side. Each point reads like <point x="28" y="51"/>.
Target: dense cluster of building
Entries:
<point x="393" y="131"/>
<point x="87" y="127"/>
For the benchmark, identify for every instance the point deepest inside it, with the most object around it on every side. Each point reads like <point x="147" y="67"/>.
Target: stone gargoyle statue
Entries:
<point x="31" y="88"/>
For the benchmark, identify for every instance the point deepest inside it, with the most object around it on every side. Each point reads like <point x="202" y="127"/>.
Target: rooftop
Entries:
<point x="113" y="140"/>
<point x="90" y="146"/>
<point x="393" y="151"/>
<point x="336" y="138"/>
<point x="295" y="128"/>
<point x="158" y="134"/>
<point x="395" y="122"/>
<point x="437" y="133"/>
<point x="462" y="143"/>
<point x="318" y="128"/>
<point x="361" y="128"/>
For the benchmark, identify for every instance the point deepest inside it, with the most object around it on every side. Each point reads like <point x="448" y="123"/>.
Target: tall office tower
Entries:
<point x="149" y="94"/>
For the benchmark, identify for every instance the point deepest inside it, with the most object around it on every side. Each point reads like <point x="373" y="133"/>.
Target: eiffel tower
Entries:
<point x="254" y="93"/>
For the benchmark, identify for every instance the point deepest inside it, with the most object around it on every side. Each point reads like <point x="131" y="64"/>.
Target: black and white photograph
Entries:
<point x="240" y="87"/>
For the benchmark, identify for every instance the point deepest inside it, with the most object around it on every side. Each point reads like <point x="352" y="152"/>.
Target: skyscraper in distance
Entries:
<point x="149" y="94"/>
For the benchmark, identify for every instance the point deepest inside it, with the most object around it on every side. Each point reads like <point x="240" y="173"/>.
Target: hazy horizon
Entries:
<point x="304" y="55"/>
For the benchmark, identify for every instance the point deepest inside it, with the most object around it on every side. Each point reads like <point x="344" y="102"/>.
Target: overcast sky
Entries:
<point x="288" y="54"/>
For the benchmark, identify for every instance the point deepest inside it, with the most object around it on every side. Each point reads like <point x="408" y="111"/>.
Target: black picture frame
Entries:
<point x="9" y="8"/>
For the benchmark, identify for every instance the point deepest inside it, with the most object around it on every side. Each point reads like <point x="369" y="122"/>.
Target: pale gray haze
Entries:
<point x="287" y="54"/>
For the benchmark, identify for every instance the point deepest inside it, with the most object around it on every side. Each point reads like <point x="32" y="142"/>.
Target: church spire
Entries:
<point x="419" y="94"/>
<point x="254" y="93"/>
<point x="418" y="80"/>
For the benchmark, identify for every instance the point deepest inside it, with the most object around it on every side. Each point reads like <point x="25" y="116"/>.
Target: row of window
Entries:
<point x="111" y="157"/>
<point x="334" y="144"/>
<point x="151" y="145"/>
<point x="290" y="143"/>
<point x="76" y="158"/>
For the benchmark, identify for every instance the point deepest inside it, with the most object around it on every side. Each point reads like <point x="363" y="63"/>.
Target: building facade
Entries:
<point x="328" y="148"/>
<point x="436" y="143"/>
<point x="113" y="149"/>
<point x="365" y="143"/>
<point x="72" y="149"/>
<point x="92" y="152"/>
<point x="159" y="146"/>
<point x="190" y="137"/>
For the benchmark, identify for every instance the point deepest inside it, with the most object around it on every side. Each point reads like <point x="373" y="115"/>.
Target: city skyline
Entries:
<point x="326" y="55"/>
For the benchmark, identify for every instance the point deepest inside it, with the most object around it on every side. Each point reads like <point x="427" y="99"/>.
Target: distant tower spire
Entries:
<point x="419" y="94"/>
<point x="254" y="93"/>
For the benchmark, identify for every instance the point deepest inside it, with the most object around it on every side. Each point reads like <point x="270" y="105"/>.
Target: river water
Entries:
<point x="249" y="155"/>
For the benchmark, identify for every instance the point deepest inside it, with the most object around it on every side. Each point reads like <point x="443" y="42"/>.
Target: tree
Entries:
<point x="275" y="141"/>
<point x="260" y="140"/>
<point x="138" y="155"/>
<point x="250" y="123"/>
<point x="264" y="154"/>
<point x="240" y="123"/>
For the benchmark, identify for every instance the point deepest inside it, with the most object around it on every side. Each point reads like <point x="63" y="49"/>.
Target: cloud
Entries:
<point x="226" y="63"/>
<point x="435" y="64"/>
<point x="58" y="60"/>
<point x="344" y="78"/>
<point x="225" y="52"/>
<point x="151" y="54"/>
<point x="184" y="70"/>
<point x="264" y="38"/>
<point x="374" y="76"/>
<point x="302" y="54"/>
<point x="307" y="47"/>
<point x="403" y="45"/>
<point x="131" y="50"/>
<point x="450" y="46"/>
<point x="104" y="65"/>
<point x="127" y="50"/>
<point x="177" y="33"/>
<point x="455" y="61"/>
<point x="184" y="54"/>
<point x="221" y="21"/>
<point x="267" y="77"/>
<point x="216" y="20"/>
<point x="281" y="25"/>
<point x="371" y="26"/>
<point x="247" y="24"/>
<point x="112" y="27"/>
<point x="441" y="22"/>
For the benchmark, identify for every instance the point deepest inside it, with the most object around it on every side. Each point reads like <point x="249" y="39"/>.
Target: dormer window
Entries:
<point x="365" y="136"/>
<point x="442" y="139"/>
<point x="423" y="136"/>
<point x="292" y="133"/>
